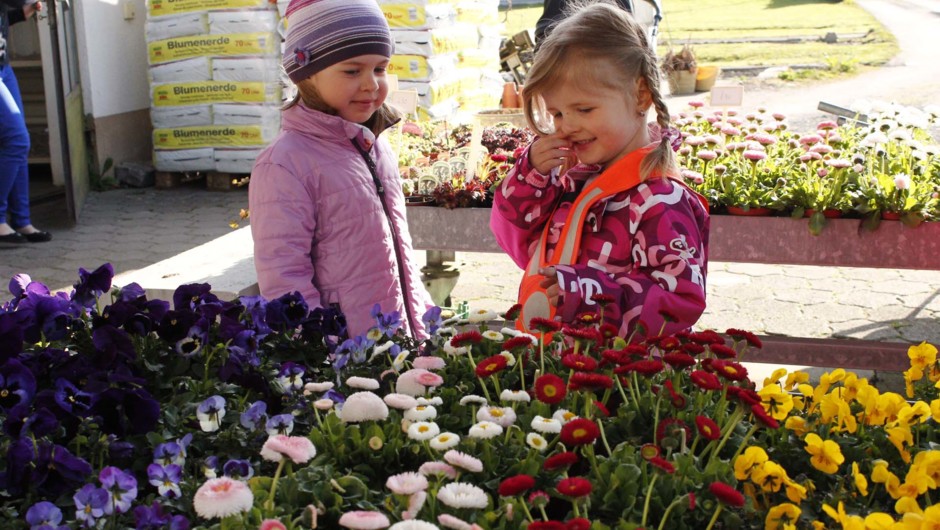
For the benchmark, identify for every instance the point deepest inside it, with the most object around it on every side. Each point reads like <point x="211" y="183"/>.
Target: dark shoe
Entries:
<point x="38" y="237"/>
<point x="12" y="239"/>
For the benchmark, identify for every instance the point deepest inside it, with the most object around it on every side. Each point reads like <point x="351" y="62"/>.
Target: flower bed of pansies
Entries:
<point x="120" y="412"/>
<point x="888" y="167"/>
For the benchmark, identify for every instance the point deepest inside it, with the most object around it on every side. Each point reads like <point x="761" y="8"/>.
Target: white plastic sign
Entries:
<point x="727" y="96"/>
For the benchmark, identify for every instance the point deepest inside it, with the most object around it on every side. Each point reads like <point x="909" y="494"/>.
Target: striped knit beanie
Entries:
<point x="321" y="33"/>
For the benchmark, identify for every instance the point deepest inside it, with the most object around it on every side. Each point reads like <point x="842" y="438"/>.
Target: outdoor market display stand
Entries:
<point x="768" y="240"/>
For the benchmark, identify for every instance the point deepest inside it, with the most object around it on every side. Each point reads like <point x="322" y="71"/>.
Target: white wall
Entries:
<point x="113" y="56"/>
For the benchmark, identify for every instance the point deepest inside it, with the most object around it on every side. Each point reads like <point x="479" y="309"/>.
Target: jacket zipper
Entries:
<point x="380" y="190"/>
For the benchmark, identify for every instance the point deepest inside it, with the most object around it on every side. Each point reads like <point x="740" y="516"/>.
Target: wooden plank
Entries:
<point x="175" y="179"/>
<point x="222" y="181"/>
<point x="768" y="240"/>
<point x="850" y="354"/>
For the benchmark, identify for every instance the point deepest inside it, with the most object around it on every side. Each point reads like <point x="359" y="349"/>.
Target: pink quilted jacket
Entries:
<point x="320" y="226"/>
<point x="647" y="247"/>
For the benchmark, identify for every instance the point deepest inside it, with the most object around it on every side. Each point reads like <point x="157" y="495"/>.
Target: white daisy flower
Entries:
<point x="323" y="404"/>
<point x="481" y="315"/>
<point x="463" y="461"/>
<point x="400" y="359"/>
<point x="510" y="358"/>
<point x="494" y="336"/>
<point x="454" y="352"/>
<point x="472" y="399"/>
<point x="511" y="332"/>
<point x="502" y="416"/>
<point x="439" y="469"/>
<point x="362" y="383"/>
<point x="546" y="425"/>
<point x="421" y="413"/>
<point x="446" y="331"/>
<point x="463" y="495"/>
<point x="310" y="388"/>
<point x="363" y="406"/>
<point x="400" y="401"/>
<point x="413" y="524"/>
<point x="515" y="396"/>
<point x="564" y="416"/>
<point x="406" y="483"/>
<point x="444" y="441"/>
<point x="436" y="401"/>
<point x="536" y="441"/>
<point x="423" y="430"/>
<point x="484" y="430"/>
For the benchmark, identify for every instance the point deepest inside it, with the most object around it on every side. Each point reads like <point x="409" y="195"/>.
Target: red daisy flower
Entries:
<point x="585" y="334"/>
<point x="763" y="417"/>
<point x="727" y="494"/>
<point x="550" y="389"/>
<point x="602" y="299"/>
<point x="608" y="331"/>
<point x="691" y="501"/>
<point x="663" y="464"/>
<point x="544" y="325"/>
<point x="517" y="343"/>
<point x="637" y="351"/>
<point x="673" y="428"/>
<point x="722" y="352"/>
<point x="705" y="380"/>
<point x="588" y="318"/>
<point x="466" y="339"/>
<point x="668" y="343"/>
<point x="745" y="395"/>
<point x="574" y="487"/>
<point x="546" y="525"/>
<point x="538" y="498"/>
<point x="706" y="337"/>
<point x="647" y="367"/>
<point x="707" y="428"/>
<point x="579" y="362"/>
<point x="579" y="431"/>
<point x="560" y="461"/>
<point x="730" y="370"/>
<point x="616" y="356"/>
<point x="649" y="451"/>
<point x="679" y="360"/>
<point x="491" y="365"/>
<point x="578" y="523"/>
<point x="513" y="312"/>
<point x="589" y="381"/>
<point x="740" y="334"/>
<point x="693" y="348"/>
<point x="516" y="485"/>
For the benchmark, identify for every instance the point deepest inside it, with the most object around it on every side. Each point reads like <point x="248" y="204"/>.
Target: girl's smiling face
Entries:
<point x="601" y="124"/>
<point x="355" y="88"/>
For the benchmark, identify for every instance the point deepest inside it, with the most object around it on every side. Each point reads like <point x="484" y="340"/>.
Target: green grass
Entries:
<point x="722" y="19"/>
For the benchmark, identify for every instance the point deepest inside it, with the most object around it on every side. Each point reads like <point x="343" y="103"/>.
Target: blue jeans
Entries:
<point x="14" y="152"/>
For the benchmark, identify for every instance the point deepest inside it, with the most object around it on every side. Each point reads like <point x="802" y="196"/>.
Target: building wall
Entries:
<point x="113" y="66"/>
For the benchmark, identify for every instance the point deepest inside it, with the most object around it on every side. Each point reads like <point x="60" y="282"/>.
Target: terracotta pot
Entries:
<point x="829" y="213"/>
<point x="752" y="212"/>
<point x="891" y="216"/>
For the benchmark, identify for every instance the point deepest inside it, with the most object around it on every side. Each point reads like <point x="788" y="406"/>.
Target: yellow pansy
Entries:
<point x="910" y="415"/>
<point x="917" y="481"/>
<point x="900" y="436"/>
<point x="907" y="505"/>
<point x="770" y="476"/>
<point x="782" y="516"/>
<point x="929" y="461"/>
<point x="880" y="474"/>
<point x="746" y="462"/>
<point x="861" y="483"/>
<point x="834" y="409"/>
<point x="797" y="424"/>
<point x="848" y="522"/>
<point x="854" y="385"/>
<point x="935" y="410"/>
<point x="775" y="376"/>
<point x="795" y="492"/>
<point x="796" y="378"/>
<point x="922" y="355"/>
<point x="775" y="401"/>
<point x="827" y="456"/>
<point x="878" y="521"/>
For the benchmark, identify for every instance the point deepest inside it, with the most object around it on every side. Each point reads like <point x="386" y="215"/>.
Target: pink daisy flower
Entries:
<point x="298" y="448"/>
<point x="221" y="497"/>
<point x="463" y="461"/>
<point x="364" y="520"/>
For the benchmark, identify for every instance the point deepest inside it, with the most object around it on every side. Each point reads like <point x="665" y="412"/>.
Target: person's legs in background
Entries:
<point x="14" y="164"/>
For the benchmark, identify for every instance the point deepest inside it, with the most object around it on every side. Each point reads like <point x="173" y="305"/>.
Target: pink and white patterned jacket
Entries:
<point x="647" y="247"/>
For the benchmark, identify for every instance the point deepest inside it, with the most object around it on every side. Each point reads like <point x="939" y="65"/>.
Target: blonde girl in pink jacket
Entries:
<point x="327" y="208"/>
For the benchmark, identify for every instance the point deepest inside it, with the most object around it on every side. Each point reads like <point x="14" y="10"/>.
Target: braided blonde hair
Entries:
<point x="599" y="44"/>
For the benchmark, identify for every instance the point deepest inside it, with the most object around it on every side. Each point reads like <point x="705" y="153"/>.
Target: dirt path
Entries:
<point x="911" y="78"/>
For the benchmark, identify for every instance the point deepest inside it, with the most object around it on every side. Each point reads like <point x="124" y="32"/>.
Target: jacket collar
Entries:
<point x="325" y="126"/>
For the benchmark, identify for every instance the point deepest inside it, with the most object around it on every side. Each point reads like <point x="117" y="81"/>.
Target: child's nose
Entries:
<point x="370" y="83"/>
